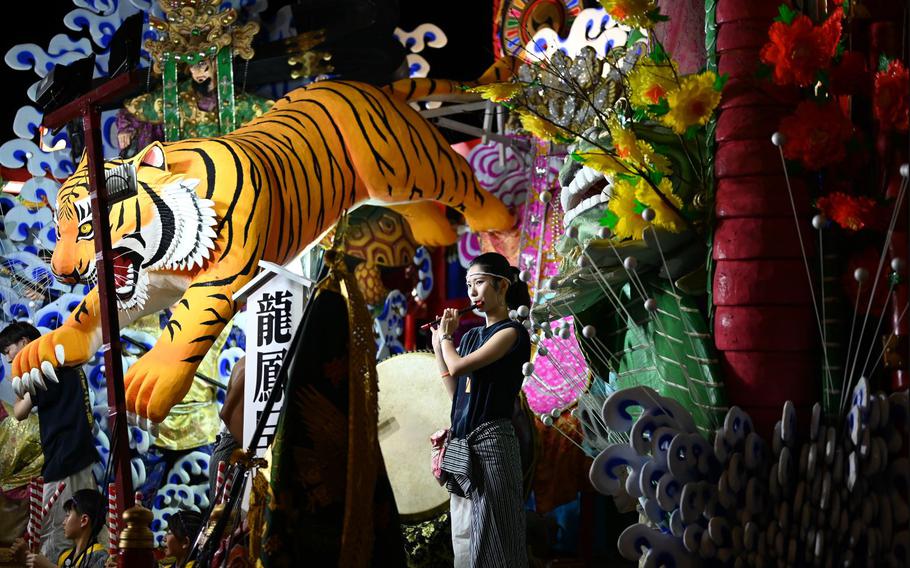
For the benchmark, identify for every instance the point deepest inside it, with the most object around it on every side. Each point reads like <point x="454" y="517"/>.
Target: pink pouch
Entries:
<point x="438" y="441"/>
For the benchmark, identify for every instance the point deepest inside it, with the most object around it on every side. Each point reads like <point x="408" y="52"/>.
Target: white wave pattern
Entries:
<point x="592" y="28"/>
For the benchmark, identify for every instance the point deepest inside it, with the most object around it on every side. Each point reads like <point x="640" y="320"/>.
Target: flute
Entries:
<point x="461" y="312"/>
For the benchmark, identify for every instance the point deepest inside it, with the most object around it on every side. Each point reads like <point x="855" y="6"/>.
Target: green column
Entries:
<point x="171" y="111"/>
<point x="224" y="61"/>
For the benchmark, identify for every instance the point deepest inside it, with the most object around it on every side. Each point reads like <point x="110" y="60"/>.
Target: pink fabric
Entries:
<point x="438" y="442"/>
<point x="684" y="35"/>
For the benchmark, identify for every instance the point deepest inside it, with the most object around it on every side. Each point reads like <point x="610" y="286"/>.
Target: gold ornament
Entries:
<point x="194" y="30"/>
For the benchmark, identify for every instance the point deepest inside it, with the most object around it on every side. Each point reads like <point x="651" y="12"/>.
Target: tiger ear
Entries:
<point x="153" y="155"/>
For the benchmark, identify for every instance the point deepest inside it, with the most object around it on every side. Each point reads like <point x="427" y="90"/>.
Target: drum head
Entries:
<point x="413" y="403"/>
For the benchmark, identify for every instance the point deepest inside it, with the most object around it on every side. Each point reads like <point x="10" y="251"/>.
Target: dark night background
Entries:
<point x="467" y="24"/>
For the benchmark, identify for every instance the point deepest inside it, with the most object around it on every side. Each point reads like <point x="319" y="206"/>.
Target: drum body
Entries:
<point x="413" y="404"/>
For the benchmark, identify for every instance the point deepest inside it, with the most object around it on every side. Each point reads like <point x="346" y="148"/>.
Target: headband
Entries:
<point x="506" y="278"/>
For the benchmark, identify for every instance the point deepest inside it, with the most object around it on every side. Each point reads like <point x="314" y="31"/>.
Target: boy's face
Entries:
<point x="14" y="348"/>
<point x="73" y="523"/>
<point x="174" y="545"/>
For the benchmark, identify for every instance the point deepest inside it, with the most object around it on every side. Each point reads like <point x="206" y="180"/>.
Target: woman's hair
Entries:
<point x="494" y="263"/>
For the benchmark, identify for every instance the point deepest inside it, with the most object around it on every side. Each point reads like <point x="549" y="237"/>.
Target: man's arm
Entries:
<point x="232" y="410"/>
<point x="22" y="407"/>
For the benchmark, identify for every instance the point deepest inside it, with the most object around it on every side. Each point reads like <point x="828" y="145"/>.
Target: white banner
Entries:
<point x="273" y="313"/>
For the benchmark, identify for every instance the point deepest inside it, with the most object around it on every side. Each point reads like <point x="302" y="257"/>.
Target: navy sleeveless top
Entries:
<point x="494" y="387"/>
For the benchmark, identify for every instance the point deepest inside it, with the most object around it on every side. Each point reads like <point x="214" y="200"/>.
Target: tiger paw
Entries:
<point x="492" y="216"/>
<point x="36" y="362"/>
<point x="154" y="384"/>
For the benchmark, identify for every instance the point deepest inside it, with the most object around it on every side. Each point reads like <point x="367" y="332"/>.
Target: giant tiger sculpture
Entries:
<point x="208" y="210"/>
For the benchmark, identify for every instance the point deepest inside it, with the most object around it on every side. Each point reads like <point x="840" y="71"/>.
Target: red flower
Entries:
<point x="892" y="89"/>
<point x="850" y="76"/>
<point x="816" y="135"/>
<point x="798" y="50"/>
<point x="849" y="212"/>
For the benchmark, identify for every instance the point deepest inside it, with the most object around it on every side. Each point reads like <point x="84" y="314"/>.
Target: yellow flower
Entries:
<point x="665" y="217"/>
<point x="541" y="128"/>
<point x="623" y="204"/>
<point x="630" y="12"/>
<point x="649" y="82"/>
<point x="497" y="92"/>
<point x="602" y="161"/>
<point x="634" y="151"/>
<point x="692" y="103"/>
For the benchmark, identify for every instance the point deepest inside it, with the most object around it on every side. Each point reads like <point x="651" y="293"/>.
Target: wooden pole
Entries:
<point x="88" y="106"/>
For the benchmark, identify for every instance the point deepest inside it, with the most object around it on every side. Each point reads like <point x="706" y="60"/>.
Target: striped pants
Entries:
<point x="496" y="508"/>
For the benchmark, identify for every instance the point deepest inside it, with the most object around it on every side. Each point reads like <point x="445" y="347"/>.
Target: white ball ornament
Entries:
<point x="524" y="276"/>
<point x="860" y="275"/>
<point x="523" y="311"/>
<point x="651" y="305"/>
<point x="648" y="215"/>
<point x="545" y="197"/>
<point x="630" y="263"/>
<point x="778" y="139"/>
<point x="527" y="369"/>
<point x="572" y="232"/>
<point x="819" y="221"/>
<point x="604" y="233"/>
<point x="589" y="331"/>
<point x="898" y="264"/>
<point x="905" y="170"/>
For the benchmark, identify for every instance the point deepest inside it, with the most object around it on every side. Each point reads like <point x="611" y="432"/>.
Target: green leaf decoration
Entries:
<point x="720" y="82"/>
<point x="691" y="132"/>
<point x="609" y="219"/>
<point x="577" y="157"/>
<point x="660" y="109"/>
<point x="883" y="62"/>
<point x="634" y="35"/>
<point x="658" y="55"/>
<point x="786" y="14"/>
<point x="656" y="16"/>
<point x="640" y="115"/>
<point x="631" y="178"/>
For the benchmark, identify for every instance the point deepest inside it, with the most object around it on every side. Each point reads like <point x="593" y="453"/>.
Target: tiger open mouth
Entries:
<point x="130" y="280"/>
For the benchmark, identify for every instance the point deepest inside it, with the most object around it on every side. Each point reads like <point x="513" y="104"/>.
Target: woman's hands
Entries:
<point x="449" y="322"/>
<point x="435" y="338"/>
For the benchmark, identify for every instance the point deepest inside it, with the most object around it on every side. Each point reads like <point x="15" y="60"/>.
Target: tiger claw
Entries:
<point x="38" y="379"/>
<point x="49" y="371"/>
<point x="28" y="385"/>
<point x="17" y="387"/>
<point x="60" y="354"/>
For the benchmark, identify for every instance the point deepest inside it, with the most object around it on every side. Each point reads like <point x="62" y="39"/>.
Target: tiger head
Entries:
<point x="165" y="226"/>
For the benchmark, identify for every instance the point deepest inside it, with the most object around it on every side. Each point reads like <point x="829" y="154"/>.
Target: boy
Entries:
<point x="85" y="514"/>
<point x="65" y="425"/>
